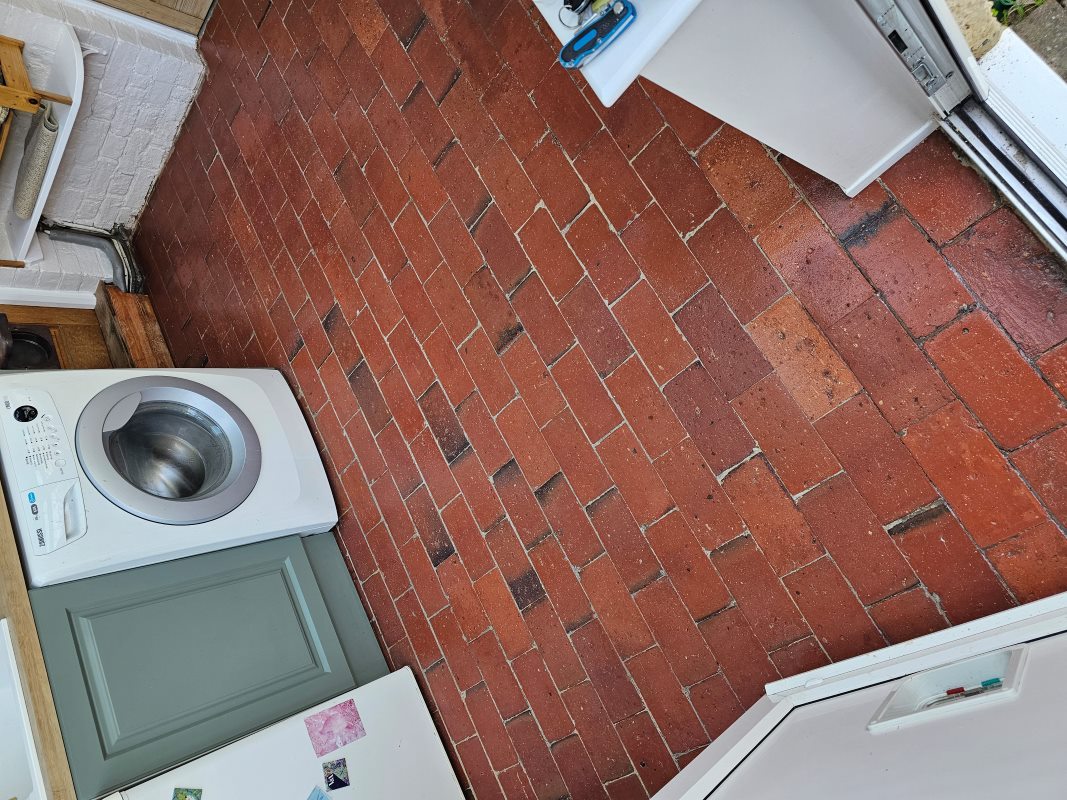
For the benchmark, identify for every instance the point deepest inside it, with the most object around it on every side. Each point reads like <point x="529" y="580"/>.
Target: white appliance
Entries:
<point x="973" y="711"/>
<point x="111" y="469"/>
<point x="20" y="770"/>
<point x="400" y="758"/>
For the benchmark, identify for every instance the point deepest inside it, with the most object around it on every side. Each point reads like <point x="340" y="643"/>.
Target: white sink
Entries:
<point x="20" y="771"/>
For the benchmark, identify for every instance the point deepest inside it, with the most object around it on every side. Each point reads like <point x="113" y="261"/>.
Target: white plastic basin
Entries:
<point x="20" y="771"/>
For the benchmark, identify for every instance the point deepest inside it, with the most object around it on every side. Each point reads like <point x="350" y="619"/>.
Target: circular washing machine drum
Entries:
<point x="168" y="450"/>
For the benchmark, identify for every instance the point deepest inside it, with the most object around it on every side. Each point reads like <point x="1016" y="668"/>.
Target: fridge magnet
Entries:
<point x="336" y="774"/>
<point x="187" y="794"/>
<point x="317" y="794"/>
<point x="334" y="727"/>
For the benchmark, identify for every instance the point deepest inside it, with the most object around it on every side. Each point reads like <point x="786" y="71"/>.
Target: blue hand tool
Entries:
<point x="598" y="34"/>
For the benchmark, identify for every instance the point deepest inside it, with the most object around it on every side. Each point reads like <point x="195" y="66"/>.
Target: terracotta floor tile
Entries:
<point x="743" y="659"/>
<point x="542" y="320"/>
<point x="799" y="656"/>
<point x="842" y="522"/>
<point x="688" y="568"/>
<point x="589" y="401"/>
<point x="488" y="373"/>
<point x="1016" y="277"/>
<point x="597" y="331"/>
<point x="615" y="609"/>
<point x="891" y="367"/>
<point x="577" y="768"/>
<point x="514" y="490"/>
<point x="814" y="265"/>
<point x="556" y="181"/>
<point x="950" y="565"/>
<point x="615" y="184"/>
<point x="461" y="182"/>
<point x="608" y="263"/>
<point x="514" y="113"/>
<point x="773" y="520"/>
<point x="574" y="453"/>
<point x="647" y="750"/>
<point x="693" y="125"/>
<point x="681" y="642"/>
<point x="505" y="179"/>
<point x="653" y="333"/>
<point x="885" y="473"/>
<point x="500" y="246"/>
<point x="763" y="600"/>
<point x="666" y="701"/>
<point x="561" y="584"/>
<point x="835" y="615"/>
<point x="633" y="119"/>
<point x="987" y="496"/>
<point x="533" y="380"/>
<point x="940" y="191"/>
<point x="677" y="183"/>
<point x="1033" y="564"/>
<point x="633" y="473"/>
<point x="468" y="43"/>
<point x="521" y="45"/>
<point x="747" y="178"/>
<point x="1054" y="366"/>
<point x="524" y="438"/>
<point x="708" y="418"/>
<point x="664" y="258"/>
<point x="535" y="757"/>
<point x="622" y="539"/>
<point x="496" y="314"/>
<point x="907" y="615"/>
<point x="555" y="263"/>
<point x="912" y="276"/>
<point x="645" y="408"/>
<point x="798" y="454"/>
<point x="470" y="120"/>
<point x="723" y="345"/>
<point x="702" y="501"/>
<point x="594" y="727"/>
<point x="461" y="253"/>
<point x="995" y="382"/>
<point x="568" y="113"/>
<point x="736" y="266"/>
<point x="1043" y="463"/>
<point x="808" y="365"/>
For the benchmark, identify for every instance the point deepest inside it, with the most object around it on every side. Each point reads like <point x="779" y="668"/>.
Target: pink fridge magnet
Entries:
<point x="334" y="727"/>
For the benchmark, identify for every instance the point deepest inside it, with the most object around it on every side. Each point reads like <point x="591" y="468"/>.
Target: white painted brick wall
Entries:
<point x="138" y="90"/>
<point x="137" y="94"/>
<point x="65" y="267"/>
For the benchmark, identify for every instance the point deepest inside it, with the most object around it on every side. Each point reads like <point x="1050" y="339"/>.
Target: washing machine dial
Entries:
<point x="26" y="413"/>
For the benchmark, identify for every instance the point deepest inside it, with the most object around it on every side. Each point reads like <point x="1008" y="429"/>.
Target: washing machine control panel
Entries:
<point x="41" y="471"/>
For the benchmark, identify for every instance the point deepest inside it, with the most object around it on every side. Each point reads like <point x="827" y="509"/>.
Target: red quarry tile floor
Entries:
<point x="626" y="416"/>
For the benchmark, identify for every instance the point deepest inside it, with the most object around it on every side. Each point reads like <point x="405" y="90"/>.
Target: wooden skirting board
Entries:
<point x="15" y="607"/>
<point x="185" y="15"/>
<point x="131" y="330"/>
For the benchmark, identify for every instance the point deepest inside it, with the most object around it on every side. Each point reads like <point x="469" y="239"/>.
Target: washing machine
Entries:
<point x="111" y="469"/>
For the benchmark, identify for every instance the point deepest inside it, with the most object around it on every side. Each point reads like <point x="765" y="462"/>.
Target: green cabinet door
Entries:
<point x="153" y="666"/>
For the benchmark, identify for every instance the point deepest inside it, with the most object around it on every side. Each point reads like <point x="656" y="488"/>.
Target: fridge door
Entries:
<point x="1000" y="743"/>
<point x="814" y="80"/>
<point x="400" y="756"/>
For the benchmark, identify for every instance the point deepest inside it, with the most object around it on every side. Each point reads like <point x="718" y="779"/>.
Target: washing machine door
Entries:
<point x="168" y="449"/>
